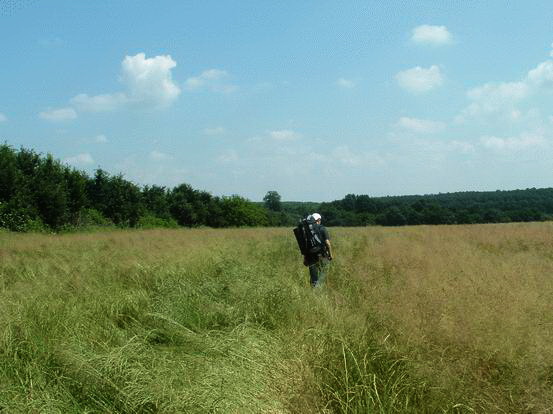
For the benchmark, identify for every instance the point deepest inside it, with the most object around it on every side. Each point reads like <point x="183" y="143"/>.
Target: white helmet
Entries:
<point x="316" y="216"/>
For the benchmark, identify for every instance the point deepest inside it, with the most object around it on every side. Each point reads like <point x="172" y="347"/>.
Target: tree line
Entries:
<point x="450" y="208"/>
<point x="40" y="193"/>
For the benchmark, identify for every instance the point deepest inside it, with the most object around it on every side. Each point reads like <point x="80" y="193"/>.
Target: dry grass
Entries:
<point x="414" y="319"/>
<point x="472" y="305"/>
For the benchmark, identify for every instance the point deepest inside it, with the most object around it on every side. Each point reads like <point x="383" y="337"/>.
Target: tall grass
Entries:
<point x="420" y="319"/>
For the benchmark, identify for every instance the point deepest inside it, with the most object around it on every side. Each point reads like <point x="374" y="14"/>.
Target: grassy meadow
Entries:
<point x="426" y="319"/>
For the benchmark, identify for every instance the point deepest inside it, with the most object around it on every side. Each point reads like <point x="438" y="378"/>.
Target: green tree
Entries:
<point x="240" y="212"/>
<point x="272" y="201"/>
<point x="116" y="198"/>
<point x="181" y="205"/>
<point x="156" y="201"/>
<point x="8" y="173"/>
<point x="50" y="193"/>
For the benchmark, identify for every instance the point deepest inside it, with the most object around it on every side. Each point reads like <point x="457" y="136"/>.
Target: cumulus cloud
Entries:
<point x="345" y="83"/>
<point x="99" y="103"/>
<point x="80" y="159"/>
<point x="524" y="141"/>
<point x="214" y="131"/>
<point x="149" y="80"/>
<point x="511" y="91"/>
<point x="211" y="79"/>
<point x="58" y="115"/>
<point x="494" y="97"/>
<point x="431" y="35"/>
<point x="542" y="76"/>
<point x="148" y="83"/>
<point x="420" y="80"/>
<point x="284" y="135"/>
<point x="502" y="98"/>
<point x="421" y="126"/>
<point x="3" y="118"/>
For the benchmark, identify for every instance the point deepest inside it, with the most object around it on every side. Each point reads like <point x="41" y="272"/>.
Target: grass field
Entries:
<point x="414" y="319"/>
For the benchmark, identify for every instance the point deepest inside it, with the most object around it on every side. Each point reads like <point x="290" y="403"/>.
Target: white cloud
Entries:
<point x="542" y="76"/>
<point x="80" y="159"/>
<point x="421" y="126"/>
<point x="511" y="91"/>
<point x="214" y="131"/>
<point x="212" y="79"/>
<point x="524" y="141"/>
<point x="159" y="156"/>
<point x="58" y="115"/>
<point x="345" y="83"/>
<point x="99" y="103"/>
<point x="495" y="97"/>
<point x="149" y="80"/>
<point x="502" y="98"/>
<point x="3" y="118"/>
<point x="100" y="139"/>
<point x="148" y="83"/>
<point x="284" y="135"/>
<point x="431" y="35"/>
<point x="419" y="80"/>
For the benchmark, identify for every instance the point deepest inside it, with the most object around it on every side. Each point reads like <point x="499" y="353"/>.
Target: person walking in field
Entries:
<point x="318" y="259"/>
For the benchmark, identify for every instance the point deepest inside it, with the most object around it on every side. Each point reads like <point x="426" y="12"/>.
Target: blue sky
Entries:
<point x="312" y="99"/>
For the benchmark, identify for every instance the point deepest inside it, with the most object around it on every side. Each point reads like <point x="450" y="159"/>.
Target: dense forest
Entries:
<point x="450" y="208"/>
<point x="40" y="193"/>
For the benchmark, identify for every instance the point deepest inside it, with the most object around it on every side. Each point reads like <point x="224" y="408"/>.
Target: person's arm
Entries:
<point x="329" y="249"/>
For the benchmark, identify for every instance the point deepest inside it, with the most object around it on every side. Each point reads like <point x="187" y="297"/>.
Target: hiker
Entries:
<point x="318" y="262"/>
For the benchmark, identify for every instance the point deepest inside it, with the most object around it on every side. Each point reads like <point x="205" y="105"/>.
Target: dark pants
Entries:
<point x="318" y="270"/>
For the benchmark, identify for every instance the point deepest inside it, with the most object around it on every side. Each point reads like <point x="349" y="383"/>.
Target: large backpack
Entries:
<point x="308" y="237"/>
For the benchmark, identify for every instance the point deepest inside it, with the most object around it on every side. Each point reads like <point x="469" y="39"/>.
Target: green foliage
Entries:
<point x="19" y="219"/>
<point x="450" y="208"/>
<point x="155" y="199"/>
<point x="237" y="211"/>
<point x="116" y="198"/>
<point x="151" y="222"/>
<point x="272" y="201"/>
<point x="90" y="217"/>
<point x="39" y="193"/>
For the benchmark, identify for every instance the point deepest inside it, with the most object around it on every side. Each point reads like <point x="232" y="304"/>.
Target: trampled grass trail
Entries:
<point x="415" y="319"/>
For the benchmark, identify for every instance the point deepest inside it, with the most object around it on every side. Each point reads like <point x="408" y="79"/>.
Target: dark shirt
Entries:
<point x="323" y="234"/>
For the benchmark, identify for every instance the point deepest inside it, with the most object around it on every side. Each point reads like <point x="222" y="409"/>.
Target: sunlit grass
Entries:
<point x="416" y="319"/>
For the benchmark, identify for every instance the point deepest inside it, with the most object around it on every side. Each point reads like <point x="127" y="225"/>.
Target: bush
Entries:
<point x="19" y="220"/>
<point x="151" y="222"/>
<point x="93" y="218"/>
